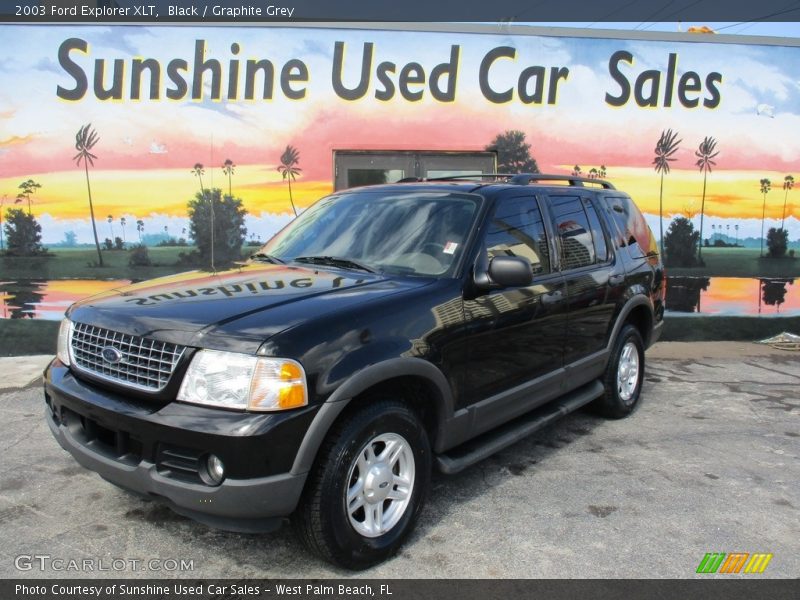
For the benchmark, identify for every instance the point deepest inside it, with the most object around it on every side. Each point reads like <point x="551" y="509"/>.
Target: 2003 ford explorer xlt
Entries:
<point x="386" y="330"/>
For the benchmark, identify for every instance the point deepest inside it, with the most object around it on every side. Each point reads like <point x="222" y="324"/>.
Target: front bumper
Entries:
<point x="154" y="451"/>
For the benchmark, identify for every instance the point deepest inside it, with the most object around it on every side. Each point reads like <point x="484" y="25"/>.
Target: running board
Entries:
<point x="485" y="445"/>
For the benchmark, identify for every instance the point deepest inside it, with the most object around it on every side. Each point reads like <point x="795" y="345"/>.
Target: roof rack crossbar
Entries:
<point x="476" y="176"/>
<point x="527" y="178"/>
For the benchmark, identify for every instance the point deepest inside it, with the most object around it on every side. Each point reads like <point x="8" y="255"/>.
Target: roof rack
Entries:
<point x="469" y="177"/>
<point x="527" y="178"/>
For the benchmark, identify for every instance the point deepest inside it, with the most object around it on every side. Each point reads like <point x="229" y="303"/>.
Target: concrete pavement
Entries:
<point x="20" y="371"/>
<point x="709" y="463"/>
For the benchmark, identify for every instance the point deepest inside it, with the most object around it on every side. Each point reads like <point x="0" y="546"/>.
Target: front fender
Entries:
<point x="358" y="383"/>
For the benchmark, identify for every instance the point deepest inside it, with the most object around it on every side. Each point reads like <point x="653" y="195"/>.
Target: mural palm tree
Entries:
<point x="765" y="187"/>
<point x="227" y="168"/>
<point x="140" y="229"/>
<point x="2" y="201"/>
<point x="85" y="140"/>
<point x="603" y="172"/>
<point x="27" y="187"/>
<point x="788" y="183"/>
<point x="593" y="173"/>
<point x="123" y="222"/>
<point x="199" y="171"/>
<point x="289" y="169"/>
<point x="110" y="220"/>
<point x="576" y="171"/>
<point x="666" y="147"/>
<point x="705" y="153"/>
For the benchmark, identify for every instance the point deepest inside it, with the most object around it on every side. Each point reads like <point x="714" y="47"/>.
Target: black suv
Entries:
<point x="385" y="331"/>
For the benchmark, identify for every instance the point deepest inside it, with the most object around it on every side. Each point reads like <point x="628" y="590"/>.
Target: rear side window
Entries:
<point x="517" y="229"/>
<point x="600" y="245"/>
<point x="575" y="231"/>
<point x="632" y="230"/>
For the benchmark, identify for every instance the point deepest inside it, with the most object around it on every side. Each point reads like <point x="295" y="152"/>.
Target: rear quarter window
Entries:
<point x="631" y="230"/>
<point x="582" y="240"/>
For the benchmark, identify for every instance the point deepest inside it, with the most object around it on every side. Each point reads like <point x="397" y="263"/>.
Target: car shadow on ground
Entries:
<point x="280" y="553"/>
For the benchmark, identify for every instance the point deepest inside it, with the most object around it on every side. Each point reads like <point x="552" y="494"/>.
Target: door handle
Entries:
<point x="616" y="279"/>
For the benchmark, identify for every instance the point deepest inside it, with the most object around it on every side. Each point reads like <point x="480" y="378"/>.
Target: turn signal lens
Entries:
<point x="277" y="384"/>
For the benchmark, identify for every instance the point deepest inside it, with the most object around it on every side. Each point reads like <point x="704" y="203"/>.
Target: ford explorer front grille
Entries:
<point x="130" y="360"/>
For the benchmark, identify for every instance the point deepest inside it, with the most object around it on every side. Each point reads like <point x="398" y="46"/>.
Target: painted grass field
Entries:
<point x="33" y="336"/>
<point x="78" y="263"/>
<point x="740" y="262"/>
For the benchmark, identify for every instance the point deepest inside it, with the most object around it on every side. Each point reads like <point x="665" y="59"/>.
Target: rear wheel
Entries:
<point x="624" y="375"/>
<point x="367" y="486"/>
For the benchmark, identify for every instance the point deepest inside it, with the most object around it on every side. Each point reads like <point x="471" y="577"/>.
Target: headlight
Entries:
<point x="64" y="339"/>
<point x="231" y="380"/>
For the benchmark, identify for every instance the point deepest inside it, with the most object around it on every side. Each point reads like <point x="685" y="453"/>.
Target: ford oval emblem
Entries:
<point x="111" y="355"/>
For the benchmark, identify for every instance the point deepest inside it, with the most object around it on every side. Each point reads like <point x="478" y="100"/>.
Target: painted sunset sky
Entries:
<point x="148" y="147"/>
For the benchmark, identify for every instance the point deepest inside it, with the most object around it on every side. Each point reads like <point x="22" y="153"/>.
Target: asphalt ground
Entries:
<point x="709" y="463"/>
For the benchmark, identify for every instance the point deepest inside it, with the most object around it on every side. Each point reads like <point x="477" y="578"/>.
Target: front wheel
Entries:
<point x="624" y="375"/>
<point x="367" y="487"/>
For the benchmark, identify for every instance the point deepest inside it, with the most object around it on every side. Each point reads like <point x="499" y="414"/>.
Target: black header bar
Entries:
<point x="735" y="588"/>
<point x="277" y="11"/>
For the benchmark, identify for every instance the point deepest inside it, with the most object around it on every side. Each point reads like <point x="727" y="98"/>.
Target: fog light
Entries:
<point x="215" y="470"/>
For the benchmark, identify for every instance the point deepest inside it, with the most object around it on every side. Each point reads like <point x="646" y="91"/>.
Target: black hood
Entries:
<point x="188" y="308"/>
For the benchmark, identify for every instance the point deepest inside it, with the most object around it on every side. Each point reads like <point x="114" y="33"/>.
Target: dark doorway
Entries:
<point x="354" y="168"/>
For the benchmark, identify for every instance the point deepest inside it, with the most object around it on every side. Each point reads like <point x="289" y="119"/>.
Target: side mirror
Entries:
<point x="510" y="271"/>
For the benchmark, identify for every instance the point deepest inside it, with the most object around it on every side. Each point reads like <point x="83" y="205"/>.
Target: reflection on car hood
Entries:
<point x="187" y="308"/>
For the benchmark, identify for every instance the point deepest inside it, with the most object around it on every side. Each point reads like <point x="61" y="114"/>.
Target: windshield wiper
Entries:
<point x="260" y="256"/>
<point x="334" y="261"/>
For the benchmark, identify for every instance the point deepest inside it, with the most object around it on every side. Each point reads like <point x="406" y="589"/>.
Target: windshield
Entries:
<point x="417" y="233"/>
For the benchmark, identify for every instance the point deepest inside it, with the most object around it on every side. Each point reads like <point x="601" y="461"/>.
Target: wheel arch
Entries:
<point x="638" y="311"/>
<point x="641" y="317"/>
<point x="409" y="372"/>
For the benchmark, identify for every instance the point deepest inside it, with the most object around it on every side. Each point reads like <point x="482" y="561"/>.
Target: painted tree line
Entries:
<point x="216" y="221"/>
<point x="682" y="245"/>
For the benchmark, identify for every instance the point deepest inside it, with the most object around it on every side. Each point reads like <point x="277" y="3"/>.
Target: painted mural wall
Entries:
<point x="163" y="99"/>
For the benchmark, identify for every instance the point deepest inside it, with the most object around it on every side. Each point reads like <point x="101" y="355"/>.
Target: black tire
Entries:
<point x="322" y="519"/>
<point x="616" y="403"/>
